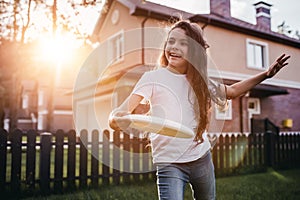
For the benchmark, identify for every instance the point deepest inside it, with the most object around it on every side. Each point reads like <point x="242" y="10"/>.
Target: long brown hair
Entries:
<point x="196" y="72"/>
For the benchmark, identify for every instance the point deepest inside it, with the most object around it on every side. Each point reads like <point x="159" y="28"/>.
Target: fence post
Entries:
<point x="45" y="162"/>
<point x="297" y="141"/>
<point x="290" y="150"/>
<point x="95" y="158"/>
<point x="215" y="151"/>
<point x="234" y="151"/>
<point x="71" y="159"/>
<point x="221" y="154"/>
<point x="136" y="157"/>
<point x="30" y="159"/>
<point x="244" y="148"/>
<point x="3" y="158"/>
<point x="116" y="157"/>
<point x="270" y="149"/>
<point x="83" y="158"/>
<point x="126" y="156"/>
<point x="59" y="161"/>
<point x="146" y="159"/>
<point x="105" y="157"/>
<point x="260" y="150"/>
<point x="227" y="155"/>
<point x="16" y="151"/>
<point x="294" y="153"/>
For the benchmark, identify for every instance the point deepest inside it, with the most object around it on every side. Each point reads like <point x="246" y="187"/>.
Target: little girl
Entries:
<point x="179" y="91"/>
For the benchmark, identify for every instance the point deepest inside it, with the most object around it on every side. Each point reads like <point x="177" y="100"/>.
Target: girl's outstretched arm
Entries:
<point x="244" y="86"/>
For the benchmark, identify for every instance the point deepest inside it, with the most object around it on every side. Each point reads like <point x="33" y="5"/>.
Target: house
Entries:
<point x="130" y="34"/>
<point x="42" y="103"/>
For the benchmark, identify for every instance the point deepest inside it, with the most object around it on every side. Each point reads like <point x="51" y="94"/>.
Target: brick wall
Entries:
<point x="280" y="107"/>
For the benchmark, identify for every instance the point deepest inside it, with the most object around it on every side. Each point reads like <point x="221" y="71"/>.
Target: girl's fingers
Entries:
<point x="279" y="59"/>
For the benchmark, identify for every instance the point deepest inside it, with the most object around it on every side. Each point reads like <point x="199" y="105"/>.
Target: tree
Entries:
<point x="16" y="17"/>
<point x="285" y="29"/>
<point x="22" y="22"/>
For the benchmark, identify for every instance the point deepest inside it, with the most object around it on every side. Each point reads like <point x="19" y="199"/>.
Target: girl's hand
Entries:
<point x="118" y="125"/>
<point x="277" y="65"/>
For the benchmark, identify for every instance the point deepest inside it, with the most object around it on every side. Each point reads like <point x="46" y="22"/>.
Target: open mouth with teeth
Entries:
<point x="175" y="55"/>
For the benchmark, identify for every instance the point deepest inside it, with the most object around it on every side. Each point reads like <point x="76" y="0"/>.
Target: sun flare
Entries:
<point x="56" y="49"/>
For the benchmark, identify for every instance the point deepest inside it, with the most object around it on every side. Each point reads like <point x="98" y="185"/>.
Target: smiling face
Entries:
<point x="176" y="51"/>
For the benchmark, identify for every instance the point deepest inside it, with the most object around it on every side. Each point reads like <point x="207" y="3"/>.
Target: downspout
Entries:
<point x="143" y="36"/>
<point x="241" y="114"/>
<point x="206" y="23"/>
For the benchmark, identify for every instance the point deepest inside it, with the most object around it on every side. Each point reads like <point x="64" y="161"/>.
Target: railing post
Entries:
<point x="45" y="162"/>
<point x="3" y="158"/>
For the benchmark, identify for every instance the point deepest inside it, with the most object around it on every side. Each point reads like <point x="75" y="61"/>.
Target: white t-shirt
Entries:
<point x="171" y="98"/>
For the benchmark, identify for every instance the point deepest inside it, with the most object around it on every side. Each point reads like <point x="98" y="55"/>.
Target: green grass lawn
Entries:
<point x="273" y="185"/>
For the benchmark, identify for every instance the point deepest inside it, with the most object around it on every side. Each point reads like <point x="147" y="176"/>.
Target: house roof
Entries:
<point x="246" y="28"/>
<point x="141" y="8"/>
<point x="161" y="12"/>
<point x="263" y="90"/>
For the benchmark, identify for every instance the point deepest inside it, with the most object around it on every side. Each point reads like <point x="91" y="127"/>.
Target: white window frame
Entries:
<point x="256" y="103"/>
<point x="118" y="40"/>
<point x="226" y="114"/>
<point x="253" y="111"/>
<point x="253" y="55"/>
<point x="25" y="101"/>
<point x="41" y="96"/>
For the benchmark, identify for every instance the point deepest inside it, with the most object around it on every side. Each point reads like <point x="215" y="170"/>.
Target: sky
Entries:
<point x="281" y="10"/>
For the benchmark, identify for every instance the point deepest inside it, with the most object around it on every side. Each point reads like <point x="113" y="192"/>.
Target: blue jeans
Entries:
<point x="172" y="178"/>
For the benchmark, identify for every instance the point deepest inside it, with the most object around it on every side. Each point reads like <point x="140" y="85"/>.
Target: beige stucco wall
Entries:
<point x="228" y="53"/>
<point x="132" y="35"/>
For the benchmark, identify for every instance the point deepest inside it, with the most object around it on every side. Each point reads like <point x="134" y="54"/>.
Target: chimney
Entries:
<point x="263" y="17"/>
<point x="220" y="8"/>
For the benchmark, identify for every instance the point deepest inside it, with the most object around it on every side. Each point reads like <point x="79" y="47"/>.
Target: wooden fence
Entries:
<point x="63" y="161"/>
<point x="238" y="154"/>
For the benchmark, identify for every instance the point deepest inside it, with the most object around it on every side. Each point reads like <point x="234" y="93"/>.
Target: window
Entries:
<point x="116" y="47"/>
<point x="253" y="106"/>
<point x="257" y="54"/>
<point x="224" y="114"/>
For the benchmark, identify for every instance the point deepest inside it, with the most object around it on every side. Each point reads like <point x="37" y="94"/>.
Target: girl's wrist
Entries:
<point x="266" y="74"/>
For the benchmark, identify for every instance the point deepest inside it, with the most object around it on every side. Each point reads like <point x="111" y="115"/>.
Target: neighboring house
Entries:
<point x="43" y="96"/>
<point x="44" y="104"/>
<point x="130" y="34"/>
